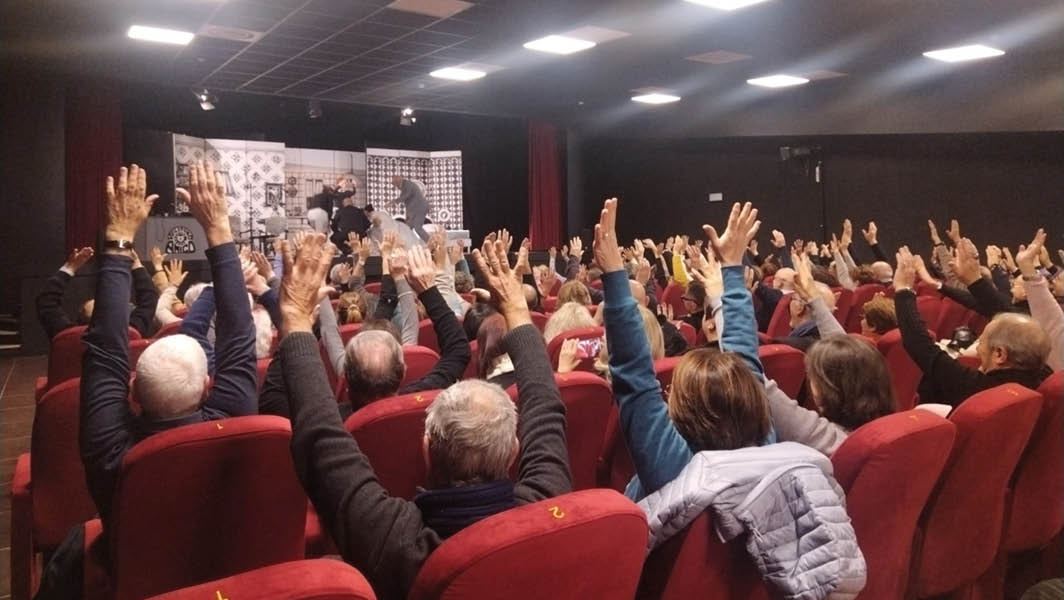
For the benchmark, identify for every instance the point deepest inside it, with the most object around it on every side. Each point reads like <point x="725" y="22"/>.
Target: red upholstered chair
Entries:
<point x="663" y="368"/>
<point x="673" y="295"/>
<point x="426" y="335"/>
<point x="335" y="378"/>
<point x="864" y="339"/>
<point x="168" y="329"/>
<point x="419" y="362"/>
<point x="587" y="544"/>
<point x="923" y="289"/>
<point x="320" y="579"/>
<point x="689" y="334"/>
<point x="929" y="307"/>
<point x="390" y="433"/>
<point x="951" y="316"/>
<point x="780" y="323"/>
<point x="904" y="374"/>
<point x="554" y="348"/>
<point x="909" y="447"/>
<point x="843" y="304"/>
<point x="962" y="523"/>
<point x="64" y="358"/>
<point x="784" y="364"/>
<point x="550" y="303"/>
<point x="557" y="286"/>
<point x="48" y="493"/>
<point x="201" y="502"/>
<point x="862" y="294"/>
<point x="588" y="403"/>
<point x="471" y="368"/>
<point x="694" y="563"/>
<point x="262" y="366"/>
<point x="349" y="331"/>
<point x="539" y="320"/>
<point x="592" y="308"/>
<point x="374" y="287"/>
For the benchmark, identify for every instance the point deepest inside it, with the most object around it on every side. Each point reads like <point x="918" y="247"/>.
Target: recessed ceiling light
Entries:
<point x="777" y="81"/>
<point x="457" y="74"/>
<point x="559" y="44"/>
<point x="157" y="34"/>
<point x="962" y="53"/>
<point x="725" y="4"/>
<point x="655" y="98"/>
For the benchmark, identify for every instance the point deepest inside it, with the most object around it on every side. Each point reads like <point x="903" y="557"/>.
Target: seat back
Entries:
<point x="904" y="373"/>
<point x="539" y="320"/>
<point x="419" y="362"/>
<point x="962" y="522"/>
<point x="587" y="544"/>
<point x="673" y="295"/>
<point x="780" y="323"/>
<point x="951" y="315"/>
<point x="785" y="365"/>
<point x="1036" y="512"/>
<point x="588" y="401"/>
<point x="59" y="495"/>
<point x="663" y="368"/>
<point x="317" y="579"/>
<point x="929" y="307"/>
<point x="473" y="365"/>
<point x="912" y="447"/>
<point x="262" y="366"/>
<point x="694" y="563"/>
<point x="390" y="433"/>
<point x="689" y="334"/>
<point x="349" y="331"/>
<point x="554" y="348"/>
<point x="205" y="501"/>
<point x="373" y="287"/>
<point x="64" y="358"/>
<point x="843" y="304"/>
<point x="862" y="294"/>
<point x="426" y="335"/>
<point x="550" y="303"/>
<point x="169" y="329"/>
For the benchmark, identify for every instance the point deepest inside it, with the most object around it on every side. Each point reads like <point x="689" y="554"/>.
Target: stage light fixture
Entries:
<point x="207" y="100"/>
<point x="314" y="108"/>
<point x="406" y="117"/>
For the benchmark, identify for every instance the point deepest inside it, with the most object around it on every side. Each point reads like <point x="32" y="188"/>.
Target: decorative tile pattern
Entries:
<point x="441" y="172"/>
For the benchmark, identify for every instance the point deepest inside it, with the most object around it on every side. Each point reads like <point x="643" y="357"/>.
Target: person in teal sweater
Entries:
<point x="717" y="400"/>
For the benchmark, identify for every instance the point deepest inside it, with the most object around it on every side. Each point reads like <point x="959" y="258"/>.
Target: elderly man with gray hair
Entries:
<point x="473" y="434"/>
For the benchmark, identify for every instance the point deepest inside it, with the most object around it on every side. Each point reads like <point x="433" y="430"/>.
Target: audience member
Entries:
<point x="569" y="316"/>
<point x="877" y="317"/>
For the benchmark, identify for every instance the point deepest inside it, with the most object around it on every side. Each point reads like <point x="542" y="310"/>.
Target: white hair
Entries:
<point x="472" y="431"/>
<point x="263" y="332"/>
<point x="193" y="292"/>
<point x="171" y="377"/>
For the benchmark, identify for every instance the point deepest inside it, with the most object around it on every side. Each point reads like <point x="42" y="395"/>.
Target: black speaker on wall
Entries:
<point x="154" y="151"/>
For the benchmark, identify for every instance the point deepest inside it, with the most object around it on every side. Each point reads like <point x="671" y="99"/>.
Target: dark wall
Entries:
<point x="1000" y="186"/>
<point x="494" y="150"/>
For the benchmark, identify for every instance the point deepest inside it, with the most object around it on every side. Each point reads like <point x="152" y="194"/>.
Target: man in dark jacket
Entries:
<point x="387" y="538"/>
<point x="1012" y="348"/>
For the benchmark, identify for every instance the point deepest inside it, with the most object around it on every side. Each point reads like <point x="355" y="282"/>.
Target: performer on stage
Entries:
<point x="412" y="195"/>
<point x="320" y="207"/>
<point x="349" y="218"/>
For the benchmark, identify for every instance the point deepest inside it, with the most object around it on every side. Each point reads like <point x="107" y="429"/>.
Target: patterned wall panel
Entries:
<point x="441" y="172"/>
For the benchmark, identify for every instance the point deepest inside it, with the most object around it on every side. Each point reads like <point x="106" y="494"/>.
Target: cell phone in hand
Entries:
<point x="588" y="348"/>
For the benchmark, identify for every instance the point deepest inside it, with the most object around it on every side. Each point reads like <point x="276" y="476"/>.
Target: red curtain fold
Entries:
<point x="93" y="151"/>
<point x="544" y="185"/>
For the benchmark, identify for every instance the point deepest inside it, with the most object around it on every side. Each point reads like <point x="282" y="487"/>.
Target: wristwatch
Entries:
<point x="118" y="244"/>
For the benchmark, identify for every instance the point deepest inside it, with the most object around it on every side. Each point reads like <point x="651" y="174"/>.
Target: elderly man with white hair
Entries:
<point x="473" y="434"/>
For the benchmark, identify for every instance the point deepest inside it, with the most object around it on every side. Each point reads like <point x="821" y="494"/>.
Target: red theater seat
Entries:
<point x="262" y="366"/>
<point x="861" y="295"/>
<point x="673" y="295"/>
<point x="550" y="304"/>
<point x="349" y="331"/>
<point x="419" y="362"/>
<point x="785" y="365"/>
<point x="373" y="287"/>
<point x="426" y="335"/>
<point x="587" y="544"/>
<point x="951" y="315"/>
<point x="929" y="307"/>
<point x="390" y="433"/>
<point x="663" y="368"/>
<point x="202" y="502"/>
<point x="962" y="522"/>
<point x="539" y="320"/>
<point x="909" y="447"/>
<point x="780" y="323"/>
<point x="471" y="368"/>
<point x="554" y="348"/>
<point x="168" y="329"/>
<point x="64" y="358"/>
<point x="904" y="373"/>
<point x="843" y="304"/>
<point x="689" y="334"/>
<point x="320" y="579"/>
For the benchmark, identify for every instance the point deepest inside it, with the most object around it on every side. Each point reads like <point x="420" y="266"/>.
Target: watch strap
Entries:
<point x="118" y="244"/>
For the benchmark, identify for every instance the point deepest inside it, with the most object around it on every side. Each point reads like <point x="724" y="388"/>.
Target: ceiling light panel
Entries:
<point x="457" y="74"/>
<point x="559" y="44"/>
<point x="158" y="34"/>
<point x="777" y="81"/>
<point x="719" y="57"/>
<point x="963" y="53"/>
<point x="656" y="98"/>
<point x="726" y="4"/>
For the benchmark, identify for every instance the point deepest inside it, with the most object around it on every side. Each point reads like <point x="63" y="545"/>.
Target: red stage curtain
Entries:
<point x="93" y="151"/>
<point x="544" y="185"/>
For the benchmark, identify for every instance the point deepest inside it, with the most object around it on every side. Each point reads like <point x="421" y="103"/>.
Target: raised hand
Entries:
<point x="454" y="252"/>
<point x="398" y="263"/>
<point x="905" y="273"/>
<point x="567" y="359"/>
<point x="565" y="251"/>
<point x="870" y="234"/>
<point x="778" y="240"/>
<point x="156" y="258"/>
<point x="993" y="256"/>
<point x="255" y="283"/>
<point x="954" y="232"/>
<point x="804" y="284"/>
<point x="742" y="227"/>
<point x="523" y="267"/>
<point x="965" y="263"/>
<point x="1010" y="263"/>
<point x="503" y="236"/>
<point x="637" y="248"/>
<point x="710" y="276"/>
<point x="506" y="293"/>
<point x="810" y="248"/>
<point x="752" y="247"/>
<point x="847" y="235"/>
<point x="576" y="248"/>
<point x="422" y="274"/>
<point x="607" y="253"/>
<point x="78" y="258"/>
<point x="552" y="253"/>
<point x="1027" y="259"/>
<point x="935" y="238"/>
<point x="208" y="204"/>
<point x="438" y="248"/>
<point x="643" y="272"/>
<point x="127" y="203"/>
<point x="922" y="272"/>
<point x="175" y="272"/>
<point x="302" y="287"/>
<point x="388" y="243"/>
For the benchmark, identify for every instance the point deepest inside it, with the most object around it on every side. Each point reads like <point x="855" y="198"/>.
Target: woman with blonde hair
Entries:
<point x="568" y="317"/>
<point x="574" y="291"/>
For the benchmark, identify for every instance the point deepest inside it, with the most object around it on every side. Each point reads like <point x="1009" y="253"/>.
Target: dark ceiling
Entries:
<point x="361" y="51"/>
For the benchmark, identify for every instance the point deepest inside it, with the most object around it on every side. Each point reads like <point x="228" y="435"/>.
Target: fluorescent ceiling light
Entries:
<point x="655" y="98"/>
<point x="725" y="4"/>
<point x="962" y="53"/>
<point x="777" y="81"/>
<point x="559" y="44"/>
<point x="457" y="74"/>
<point x="156" y="34"/>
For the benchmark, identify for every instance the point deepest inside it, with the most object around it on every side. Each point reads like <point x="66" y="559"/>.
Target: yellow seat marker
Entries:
<point x="556" y="512"/>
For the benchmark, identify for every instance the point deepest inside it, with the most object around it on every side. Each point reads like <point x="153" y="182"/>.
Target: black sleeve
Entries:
<point x="878" y="253"/>
<point x="388" y="299"/>
<point x="955" y="380"/>
<point x="235" y="389"/>
<point x="273" y="400"/>
<point x="454" y="347"/>
<point x="675" y="344"/>
<point x="145" y="298"/>
<point x="988" y="302"/>
<point x="959" y="295"/>
<point x="50" y="311"/>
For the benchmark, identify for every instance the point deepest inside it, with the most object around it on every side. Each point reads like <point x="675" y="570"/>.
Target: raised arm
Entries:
<point x="965" y="265"/>
<point x="1045" y="309"/>
<point x="50" y="311"/>
<point x="805" y="287"/>
<point x="197" y="324"/>
<point x="454" y="347"/>
<point x="145" y="299"/>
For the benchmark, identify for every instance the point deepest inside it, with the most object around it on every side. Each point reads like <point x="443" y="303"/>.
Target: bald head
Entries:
<point x="397" y="180"/>
<point x="882" y="271"/>
<point x="638" y="292"/>
<point x="530" y="294"/>
<point x="373" y="366"/>
<point x="1013" y="340"/>
<point x="784" y="279"/>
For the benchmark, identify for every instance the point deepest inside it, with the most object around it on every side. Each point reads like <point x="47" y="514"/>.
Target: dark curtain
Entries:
<point x="93" y="151"/>
<point x="544" y="185"/>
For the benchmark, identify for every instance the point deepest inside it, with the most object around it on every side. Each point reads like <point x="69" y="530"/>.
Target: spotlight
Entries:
<point x="207" y="100"/>
<point x="314" y="108"/>
<point x="406" y="117"/>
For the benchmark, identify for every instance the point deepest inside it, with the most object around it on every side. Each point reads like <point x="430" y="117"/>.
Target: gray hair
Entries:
<point x="1024" y="340"/>
<point x="373" y="366"/>
<point x="171" y="377"/>
<point x="472" y="431"/>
